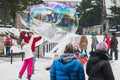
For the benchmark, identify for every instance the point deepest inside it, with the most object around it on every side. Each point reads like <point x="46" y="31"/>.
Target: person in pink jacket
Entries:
<point x="28" y="60"/>
<point x="107" y="40"/>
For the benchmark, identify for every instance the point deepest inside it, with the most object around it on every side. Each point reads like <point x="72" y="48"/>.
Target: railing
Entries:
<point x="46" y="47"/>
<point x="11" y="56"/>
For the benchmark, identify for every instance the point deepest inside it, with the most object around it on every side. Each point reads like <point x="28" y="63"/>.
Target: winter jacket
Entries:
<point x="83" y="42"/>
<point x="26" y="39"/>
<point x="114" y="42"/>
<point x="94" y="41"/>
<point x="27" y="49"/>
<point x="107" y="40"/>
<point x="98" y="66"/>
<point x="67" y="68"/>
<point x="8" y="42"/>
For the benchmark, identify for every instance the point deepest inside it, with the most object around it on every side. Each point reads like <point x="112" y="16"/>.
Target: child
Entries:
<point x="28" y="60"/>
<point x="78" y="55"/>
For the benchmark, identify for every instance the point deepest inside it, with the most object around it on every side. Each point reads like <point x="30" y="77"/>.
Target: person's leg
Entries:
<point x="30" y="68"/>
<point x="34" y="60"/>
<point x="24" y="66"/>
<point x="116" y="54"/>
<point x="8" y="51"/>
<point x="86" y="53"/>
<point x="91" y="48"/>
<point x="111" y="53"/>
<point x="81" y="51"/>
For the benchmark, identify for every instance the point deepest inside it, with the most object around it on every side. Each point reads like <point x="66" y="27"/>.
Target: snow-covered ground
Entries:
<point x="10" y="71"/>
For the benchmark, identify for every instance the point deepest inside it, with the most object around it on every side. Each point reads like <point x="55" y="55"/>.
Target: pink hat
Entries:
<point x="102" y="46"/>
<point x="77" y="45"/>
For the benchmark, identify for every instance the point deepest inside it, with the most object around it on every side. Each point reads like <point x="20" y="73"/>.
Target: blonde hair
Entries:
<point x="69" y="48"/>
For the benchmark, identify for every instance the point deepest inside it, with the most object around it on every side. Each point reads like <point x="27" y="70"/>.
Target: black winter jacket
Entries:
<point x="98" y="66"/>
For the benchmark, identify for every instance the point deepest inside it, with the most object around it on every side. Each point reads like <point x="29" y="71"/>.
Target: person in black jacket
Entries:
<point x="114" y="44"/>
<point x="98" y="66"/>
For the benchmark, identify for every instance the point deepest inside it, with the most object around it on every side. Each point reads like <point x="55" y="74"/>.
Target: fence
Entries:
<point x="46" y="47"/>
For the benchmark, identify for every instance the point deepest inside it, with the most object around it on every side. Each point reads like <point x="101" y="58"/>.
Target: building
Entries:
<point x="71" y="3"/>
<point x="111" y="19"/>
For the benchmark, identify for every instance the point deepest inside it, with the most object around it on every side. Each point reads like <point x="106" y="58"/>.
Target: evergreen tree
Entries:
<point x="14" y="6"/>
<point x="116" y="13"/>
<point x="115" y="10"/>
<point x="90" y="12"/>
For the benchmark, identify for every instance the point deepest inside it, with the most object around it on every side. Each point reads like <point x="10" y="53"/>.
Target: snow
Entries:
<point x="110" y="3"/>
<point x="10" y="71"/>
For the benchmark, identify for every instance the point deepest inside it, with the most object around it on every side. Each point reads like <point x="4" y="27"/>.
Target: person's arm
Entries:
<point x="11" y="43"/>
<point x="37" y="38"/>
<point x="22" y="34"/>
<point x="107" y="71"/>
<point x="52" y="71"/>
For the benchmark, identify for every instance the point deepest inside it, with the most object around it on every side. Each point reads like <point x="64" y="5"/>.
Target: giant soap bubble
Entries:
<point x="52" y="18"/>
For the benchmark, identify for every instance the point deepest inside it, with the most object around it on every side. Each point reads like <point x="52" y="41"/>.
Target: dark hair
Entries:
<point x="69" y="48"/>
<point x="105" y="34"/>
<point x="113" y="33"/>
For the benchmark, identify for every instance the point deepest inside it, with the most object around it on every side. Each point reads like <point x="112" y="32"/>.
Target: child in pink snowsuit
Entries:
<point x="28" y="60"/>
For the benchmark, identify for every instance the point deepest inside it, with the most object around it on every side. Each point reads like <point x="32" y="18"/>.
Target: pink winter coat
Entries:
<point x="107" y="40"/>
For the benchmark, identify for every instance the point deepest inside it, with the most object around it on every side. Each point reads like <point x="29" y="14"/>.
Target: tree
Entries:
<point x="14" y="6"/>
<point x="115" y="10"/>
<point x="90" y="12"/>
<point x="116" y="13"/>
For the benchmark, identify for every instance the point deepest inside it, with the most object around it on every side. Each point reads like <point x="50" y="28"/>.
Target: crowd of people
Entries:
<point x="70" y="65"/>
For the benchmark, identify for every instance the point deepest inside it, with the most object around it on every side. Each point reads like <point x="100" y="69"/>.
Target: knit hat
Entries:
<point x="77" y="45"/>
<point x="102" y="46"/>
<point x="93" y="33"/>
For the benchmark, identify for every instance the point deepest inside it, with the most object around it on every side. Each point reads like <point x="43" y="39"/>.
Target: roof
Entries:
<point x="110" y="3"/>
<point x="65" y="0"/>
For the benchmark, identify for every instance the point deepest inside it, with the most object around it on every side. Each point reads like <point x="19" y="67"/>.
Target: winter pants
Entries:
<point x="34" y="60"/>
<point x="85" y="52"/>
<point x="28" y="63"/>
<point x="7" y="51"/>
<point x="115" y="51"/>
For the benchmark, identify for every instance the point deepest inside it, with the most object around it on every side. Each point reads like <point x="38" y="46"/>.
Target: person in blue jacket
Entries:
<point x="67" y="67"/>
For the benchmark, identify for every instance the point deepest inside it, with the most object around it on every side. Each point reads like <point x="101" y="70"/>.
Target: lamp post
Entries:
<point x="116" y="22"/>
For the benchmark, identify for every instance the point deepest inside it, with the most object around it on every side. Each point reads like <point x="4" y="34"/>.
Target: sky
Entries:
<point x="10" y="71"/>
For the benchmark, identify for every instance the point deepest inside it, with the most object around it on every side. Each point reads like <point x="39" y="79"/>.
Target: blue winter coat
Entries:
<point x="67" y="68"/>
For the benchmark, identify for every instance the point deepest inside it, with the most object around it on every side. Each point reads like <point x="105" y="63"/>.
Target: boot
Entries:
<point x="29" y="78"/>
<point x="19" y="76"/>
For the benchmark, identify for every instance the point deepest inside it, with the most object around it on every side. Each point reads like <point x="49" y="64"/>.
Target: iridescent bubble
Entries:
<point x="62" y="16"/>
